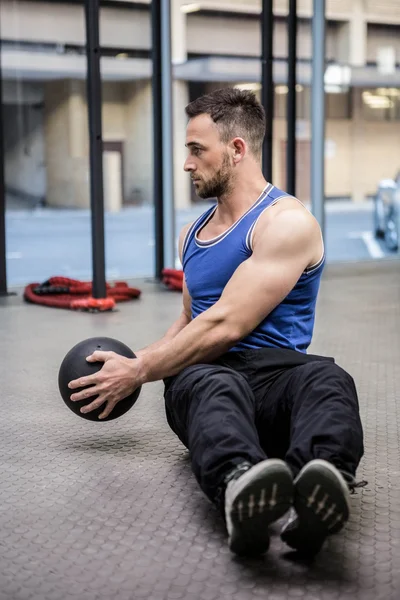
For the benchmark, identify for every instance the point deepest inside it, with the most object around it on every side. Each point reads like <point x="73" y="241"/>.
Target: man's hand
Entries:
<point x="118" y="378"/>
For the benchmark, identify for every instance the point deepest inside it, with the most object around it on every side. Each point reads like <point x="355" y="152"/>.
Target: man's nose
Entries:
<point x="189" y="165"/>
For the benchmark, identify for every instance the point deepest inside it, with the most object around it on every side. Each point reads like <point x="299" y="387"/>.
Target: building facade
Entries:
<point x="214" y="44"/>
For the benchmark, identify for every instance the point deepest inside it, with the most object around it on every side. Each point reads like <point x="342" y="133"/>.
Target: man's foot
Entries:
<point x="254" y="499"/>
<point x="321" y="507"/>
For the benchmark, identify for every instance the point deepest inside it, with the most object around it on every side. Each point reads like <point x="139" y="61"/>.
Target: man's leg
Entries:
<point x="325" y="418"/>
<point x="212" y="410"/>
<point x="325" y="448"/>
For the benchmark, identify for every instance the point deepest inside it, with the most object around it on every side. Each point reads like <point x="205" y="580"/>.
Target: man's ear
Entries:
<point x="239" y="149"/>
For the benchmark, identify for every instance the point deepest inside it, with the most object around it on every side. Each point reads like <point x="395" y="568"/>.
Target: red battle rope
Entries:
<point x="173" y="279"/>
<point x="61" y="292"/>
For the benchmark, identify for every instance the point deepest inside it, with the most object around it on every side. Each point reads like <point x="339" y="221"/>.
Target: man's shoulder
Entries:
<point x="289" y="223"/>
<point x="287" y="209"/>
<point x="184" y="230"/>
<point x="182" y="237"/>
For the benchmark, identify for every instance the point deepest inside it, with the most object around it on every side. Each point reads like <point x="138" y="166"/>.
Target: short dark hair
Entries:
<point x="237" y="112"/>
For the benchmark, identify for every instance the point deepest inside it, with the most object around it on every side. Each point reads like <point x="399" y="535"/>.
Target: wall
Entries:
<point x="66" y="144"/>
<point x="25" y="172"/>
<point x="338" y="180"/>
<point x="376" y="150"/>
<point x="63" y="23"/>
<point x="60" y="23"/>
<point x="139" y="142"/>
<point x="363" y="153"/>
<point x="379" y="37"/>
<point x="127" y="117"/>
<point x="113" y="113"/>
<point x="335" y="8"/>
<point x="236" y="36"/>
<point x="47" y="148"/>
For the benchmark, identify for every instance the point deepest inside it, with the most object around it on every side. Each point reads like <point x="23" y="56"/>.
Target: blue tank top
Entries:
<point x="208" y="266"/>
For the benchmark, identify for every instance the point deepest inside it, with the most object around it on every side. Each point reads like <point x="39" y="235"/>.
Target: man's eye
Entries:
<point x="196" y="151"/>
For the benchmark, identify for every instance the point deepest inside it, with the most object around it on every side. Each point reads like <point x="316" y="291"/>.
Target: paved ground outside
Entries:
<point x="43" y="242"/>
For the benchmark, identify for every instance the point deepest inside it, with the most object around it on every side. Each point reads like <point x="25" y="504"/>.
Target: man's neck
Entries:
<point x="238" y="201"/>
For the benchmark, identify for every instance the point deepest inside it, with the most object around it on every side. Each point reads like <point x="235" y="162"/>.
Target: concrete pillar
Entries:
<point x="139" y="140"/>
<point x="59" y="189"/>
<point x="352" y="37"/>
<point x="179" y="33"/>
<point x="112" y="181"/>
<point x="139" y="143"/>
<point x="180" y="91"/>
<point x="79" y="142"/>
<point x="66" y="144"/>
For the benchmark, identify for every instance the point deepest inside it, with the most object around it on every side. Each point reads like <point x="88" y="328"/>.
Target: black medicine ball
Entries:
<point x="75" y="366"/>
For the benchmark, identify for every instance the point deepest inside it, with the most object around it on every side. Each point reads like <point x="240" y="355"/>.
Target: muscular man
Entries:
<point x="268" y="426"/>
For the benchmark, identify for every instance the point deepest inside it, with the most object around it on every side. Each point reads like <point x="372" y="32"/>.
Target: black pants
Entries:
<point x="267" y="403"/>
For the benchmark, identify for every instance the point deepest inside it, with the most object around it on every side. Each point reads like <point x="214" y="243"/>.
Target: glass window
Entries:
<point x="302" y="100"/>
<point x="45" y="141"/>
<point x="127" y="119"/>
<point x="338" y="105"/>
<point x="381" y="104"/>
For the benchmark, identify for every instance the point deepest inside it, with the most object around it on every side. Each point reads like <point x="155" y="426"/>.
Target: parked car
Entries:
<point x="387" y="212"/>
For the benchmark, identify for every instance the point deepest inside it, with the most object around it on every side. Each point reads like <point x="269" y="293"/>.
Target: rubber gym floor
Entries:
<point x="104" y="511"/>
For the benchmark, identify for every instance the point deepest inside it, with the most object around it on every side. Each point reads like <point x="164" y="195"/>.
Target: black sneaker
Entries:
<point x="253" y="500"/>
<point x="321" y="507"/>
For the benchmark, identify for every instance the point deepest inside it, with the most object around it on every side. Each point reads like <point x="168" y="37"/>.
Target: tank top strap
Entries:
<point x="273" y="197"/>
<point x="193" y="228"/>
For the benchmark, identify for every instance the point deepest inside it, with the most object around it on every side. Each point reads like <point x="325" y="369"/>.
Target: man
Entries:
<point x="269" y="427"/>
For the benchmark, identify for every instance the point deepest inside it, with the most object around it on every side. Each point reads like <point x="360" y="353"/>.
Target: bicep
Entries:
<point x="261" y="282"/>
<point x="256" y="288"/>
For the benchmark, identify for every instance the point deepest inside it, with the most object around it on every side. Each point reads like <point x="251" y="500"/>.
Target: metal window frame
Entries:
<point x="3" y="257"/>
<point x="318" y="113"/>
<point x="94" y="102"/>
<point x="291" y="100"/>
<point x="267" y="84"/>
<point x="163" y="182"/>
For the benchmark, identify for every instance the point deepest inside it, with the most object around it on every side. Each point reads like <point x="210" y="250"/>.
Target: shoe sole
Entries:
<point x="321" y="501"/>
<point x="261" y="496"/>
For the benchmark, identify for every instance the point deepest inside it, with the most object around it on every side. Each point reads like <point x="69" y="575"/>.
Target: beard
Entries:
<point x="219" y="185"/>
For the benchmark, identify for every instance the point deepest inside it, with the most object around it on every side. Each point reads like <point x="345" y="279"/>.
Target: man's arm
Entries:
<point x="283" y="248"/>
<point x="119" y="376"/>
<point x="285" y="243"/>
<point x="182" y="321"/>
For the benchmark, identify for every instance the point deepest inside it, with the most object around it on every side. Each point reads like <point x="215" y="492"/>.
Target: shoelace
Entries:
<point x="351" y="481"/>
<point x="237" y="472"/>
